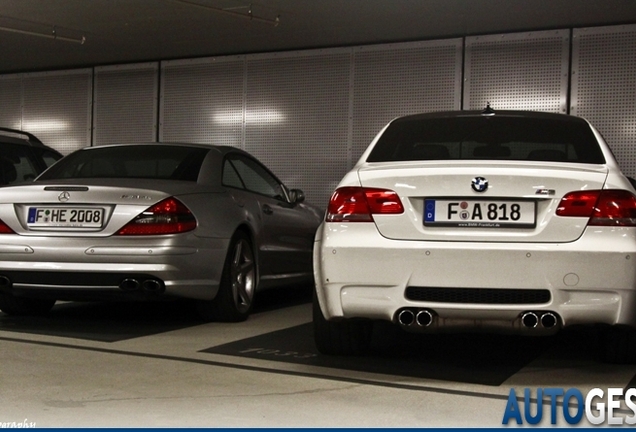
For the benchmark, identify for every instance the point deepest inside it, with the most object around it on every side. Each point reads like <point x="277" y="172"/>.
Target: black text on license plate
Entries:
<point x="71" y="217"/>
<point x="479" y="214"/>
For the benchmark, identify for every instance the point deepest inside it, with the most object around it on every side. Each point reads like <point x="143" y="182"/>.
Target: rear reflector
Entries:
<point x="4" y="228"/>
<point x="603" y="207"/>
<point x="358" y="204"/>
<point x="169" y="216"/>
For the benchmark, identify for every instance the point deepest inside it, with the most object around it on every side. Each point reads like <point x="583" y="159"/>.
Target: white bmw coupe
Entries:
<point x="507" y="221"/>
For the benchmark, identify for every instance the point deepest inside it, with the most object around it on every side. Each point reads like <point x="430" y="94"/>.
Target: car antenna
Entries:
<point x="488" y="110"/>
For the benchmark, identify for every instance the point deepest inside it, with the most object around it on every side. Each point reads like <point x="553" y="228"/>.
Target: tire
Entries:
<point x="345" y="337"/>
<point x="235" y="299"/>
<point x="618" y="345"/>
<point x="12" y="305"/>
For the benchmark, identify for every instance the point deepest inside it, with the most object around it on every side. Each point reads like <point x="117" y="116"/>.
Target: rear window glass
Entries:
<point x="488" y="137"/>
<point x="134" y="161"/>
<point x="17" y="164"/>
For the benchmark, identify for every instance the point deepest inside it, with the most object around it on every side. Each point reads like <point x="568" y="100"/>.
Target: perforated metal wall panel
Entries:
<point x="604" y="86"/>
<point x="526" y="71"/>
<point x="297" y="117"/>
<point x="400" y="79"/>
<point x="125" y="104"/>
<point x="11" y="101"/>
<point x="57" y="108"/>
<point x="202" y="101"/>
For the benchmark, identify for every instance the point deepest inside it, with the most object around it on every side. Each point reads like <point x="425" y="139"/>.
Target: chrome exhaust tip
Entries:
<point x="153" y="286"/>
<point x="406" y="317"/>
<point x="4" y="282"/>
<point x="549" y="320"/>
<point x="424" y="318"/>
<point x="529" y="319"/>
<point x="129" y="284"/>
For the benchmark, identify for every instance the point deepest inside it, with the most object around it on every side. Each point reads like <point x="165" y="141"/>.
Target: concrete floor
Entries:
<point x="54" y="375"/>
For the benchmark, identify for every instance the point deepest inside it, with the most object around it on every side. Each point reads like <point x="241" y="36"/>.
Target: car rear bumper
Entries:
<point x="360" y="274"/>
<point x="134" y="268"/>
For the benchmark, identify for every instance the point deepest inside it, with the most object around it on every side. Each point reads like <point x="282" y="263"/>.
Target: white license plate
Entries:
<point x="479" y="214"/>
<point x="65" y="217"/>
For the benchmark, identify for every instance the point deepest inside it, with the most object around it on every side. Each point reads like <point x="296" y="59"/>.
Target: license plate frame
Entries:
<point x="479" y="213"/>
<point x="73" y="217"/>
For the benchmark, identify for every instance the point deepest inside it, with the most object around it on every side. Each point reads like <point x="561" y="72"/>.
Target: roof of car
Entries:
<point x="489" y="112"/>
<point x="29" y="139"/>
<point x="223" y="149"/>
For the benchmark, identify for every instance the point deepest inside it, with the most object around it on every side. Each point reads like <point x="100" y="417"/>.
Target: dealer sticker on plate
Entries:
<point x="65" y="217"/>
<point x="479" y="214"/>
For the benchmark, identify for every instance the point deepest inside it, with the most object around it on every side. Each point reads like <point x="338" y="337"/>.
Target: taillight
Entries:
<point x="358" y="204"/>
<point x="169" y="216"/>
<point x="4" y="228"/>
<point x="603" y="207"/>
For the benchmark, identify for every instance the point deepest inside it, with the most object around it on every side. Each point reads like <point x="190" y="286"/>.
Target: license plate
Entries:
<point x="479" y="214"/>
<point x="65" y="217"/>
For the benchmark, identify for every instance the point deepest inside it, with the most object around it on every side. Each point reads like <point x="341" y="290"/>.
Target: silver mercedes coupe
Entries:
<point x="148" y="221"/>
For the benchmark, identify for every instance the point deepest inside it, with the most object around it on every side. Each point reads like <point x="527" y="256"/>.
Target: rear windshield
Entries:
<point x="17" y="164"/>
<point x="488" y="137"/>
<point x="134" y="161"/>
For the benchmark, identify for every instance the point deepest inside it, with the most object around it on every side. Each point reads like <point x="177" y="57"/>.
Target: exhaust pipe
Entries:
<point x="529" y="319"/>
<point x="548" y="320"/>
<point x="129" y="284"/>
<point x="5" y="282"/>
<point x="153" y="286"/>
<point x="406" y="317"/>
<point x="424" y="318"/>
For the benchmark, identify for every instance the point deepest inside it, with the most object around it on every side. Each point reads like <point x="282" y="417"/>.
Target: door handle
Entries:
<point x="267" y="209"/>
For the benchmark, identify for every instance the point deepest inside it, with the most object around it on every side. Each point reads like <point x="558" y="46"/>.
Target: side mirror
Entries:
<point x="296" y="196"/>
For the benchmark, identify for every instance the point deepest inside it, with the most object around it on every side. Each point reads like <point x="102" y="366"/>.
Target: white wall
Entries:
<point x="309" y="114"/>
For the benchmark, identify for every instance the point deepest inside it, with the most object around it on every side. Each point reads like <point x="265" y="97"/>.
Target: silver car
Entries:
<point x="146" y="221"/>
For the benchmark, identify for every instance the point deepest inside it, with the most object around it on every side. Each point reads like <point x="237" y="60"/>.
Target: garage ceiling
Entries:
<point x="125" y="31"/>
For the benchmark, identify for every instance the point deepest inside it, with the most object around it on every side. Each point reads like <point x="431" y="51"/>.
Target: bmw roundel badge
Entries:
<point x="479" y="184"/>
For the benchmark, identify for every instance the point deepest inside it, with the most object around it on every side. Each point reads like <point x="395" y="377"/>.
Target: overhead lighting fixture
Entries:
<point x="249" y="15"/>
<point x="52" y="35"/>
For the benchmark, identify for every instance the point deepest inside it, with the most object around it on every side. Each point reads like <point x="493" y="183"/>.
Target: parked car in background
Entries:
<point x="147" y="221"/>
<point x="500" y="221"/>
<point x="23" y="156"/>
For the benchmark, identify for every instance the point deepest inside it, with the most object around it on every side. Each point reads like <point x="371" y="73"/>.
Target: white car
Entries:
<point x="508" y="221"/>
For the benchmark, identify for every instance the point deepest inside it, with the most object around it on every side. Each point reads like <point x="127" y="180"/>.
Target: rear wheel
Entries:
<point x="345" y="337"/>
<point x="619" y="345"/>
<point x="234" y="301"/>
<point x="12" y="305"/>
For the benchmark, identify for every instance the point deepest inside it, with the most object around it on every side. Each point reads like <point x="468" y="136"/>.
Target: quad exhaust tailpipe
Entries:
<point x="154" y="286"/>
<point x="419" y="317"/>
<point x="424" y="318"/>
<point x="129" y="285"/>
<point x="406" y="317"/>
<point x="549" y="320"/>
<point x="529" y="319"/>
<point x="545" y="319"/>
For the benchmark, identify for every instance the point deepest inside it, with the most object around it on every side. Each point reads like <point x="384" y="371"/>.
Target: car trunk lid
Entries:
<point x="493" y="201"/>
<point x="76" y="209"/>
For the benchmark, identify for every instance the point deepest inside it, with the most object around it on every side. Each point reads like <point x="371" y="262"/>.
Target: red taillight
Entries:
<point x="4" y="228"/>
<point x="169" y="216"/>
<point x="603" y="207"/>
<point x="358" y="204"/>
